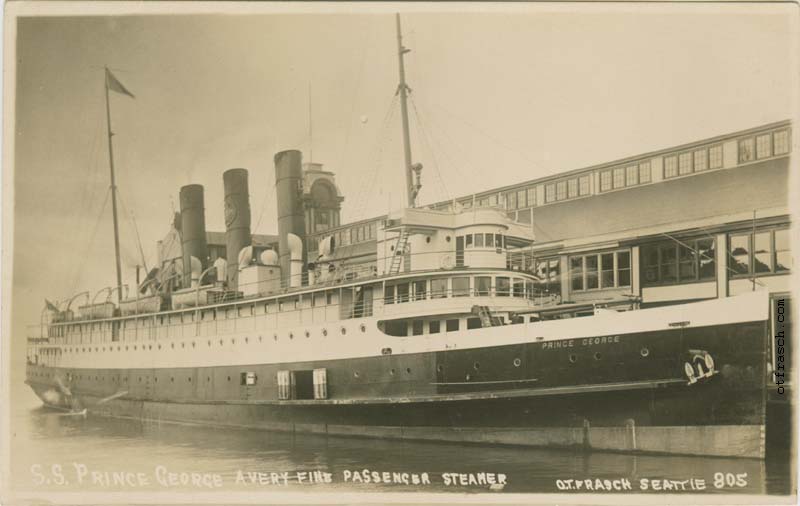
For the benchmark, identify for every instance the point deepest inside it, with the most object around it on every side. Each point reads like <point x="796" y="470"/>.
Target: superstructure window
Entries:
<point x="678" y="261"/>
<point x="502" y="286"/>
<point x="439" y="288"/>
<point x="402" y="292"/>
<point x="460" y="286"/>
<point x="420" y="290"/>
<point x="417" y="327"/>
<point x="433" y="327"/>
<point x="452" y="325"/>
<point x="483" y="285"/>
<point x="479" y="240"/>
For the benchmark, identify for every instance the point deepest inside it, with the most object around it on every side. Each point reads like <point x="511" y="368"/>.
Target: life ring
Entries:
<point x="447" y="262"/>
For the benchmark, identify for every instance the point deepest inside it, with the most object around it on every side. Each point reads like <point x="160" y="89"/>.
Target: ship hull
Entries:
<point x="618" y="393"/>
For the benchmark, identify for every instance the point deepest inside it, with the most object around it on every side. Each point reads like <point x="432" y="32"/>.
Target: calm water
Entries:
<point x="81" y="445"/>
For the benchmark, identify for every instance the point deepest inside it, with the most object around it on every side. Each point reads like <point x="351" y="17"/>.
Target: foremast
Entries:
<point x="412" y="171"/>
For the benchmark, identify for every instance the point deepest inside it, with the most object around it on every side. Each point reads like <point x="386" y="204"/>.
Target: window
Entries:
<point x="483" y="285"/>
<point x="700" y="160"/>
<point x="531" y="196"/>
<point x="479" y="240"/>
<point x="498" y="241"/>
<point x="746" y="148"/>
<point x="561" y="190"/>
<point x="764" y="146"/>
<point x="451" y="325"/>
<point x="473" y="323"/>
<point x="583" y="185"/>
<point x="548" y="270"/>
<point x="619" y="177"/>
<point x="644" y="172"/>
<point x="439" y="288"/>
<point x="417" y="327"/>
<point x="420" y="289"/>
<point x="521" y="199"/>
<point x="715" y="157"/>
<point x="605" y="180"/>
<point x="489" y="240"/>
<point x="631" y="175"/>
<point x="781" y="142"/>
<point x="550" y="193"/>
<point x="765" y="253"/>
<point x="461" y="286"/>
<point x="670" y="166"/>
<point x="511" y="200"/>
<point x="603" y="270"/>
<point x="402" y="293"/>
<point x="678" y="261"/>
<point x="518" y="288"/>
<point x="576" y="272"/>
<point x="502" y="286"/>
<point x="468" y="240"/>
<point x="433" y="327"/>
<point x="684" y="163"/>
<point x="572" y="188"/>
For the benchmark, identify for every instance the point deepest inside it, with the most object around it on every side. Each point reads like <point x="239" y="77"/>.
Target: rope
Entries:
<point x="425" y="137"/>
<point x="367" y="38"/>
<point x="85" y="256"/>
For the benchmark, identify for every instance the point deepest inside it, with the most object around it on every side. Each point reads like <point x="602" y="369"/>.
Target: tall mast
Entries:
<point x="412" y="189"/>
<point x="113" y="192"/>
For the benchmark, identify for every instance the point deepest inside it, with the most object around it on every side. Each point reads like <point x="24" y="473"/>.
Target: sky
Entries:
<point x="498" y="97"/>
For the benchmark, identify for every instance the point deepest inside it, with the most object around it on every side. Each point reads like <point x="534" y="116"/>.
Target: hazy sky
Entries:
<point x="502" y="98"/>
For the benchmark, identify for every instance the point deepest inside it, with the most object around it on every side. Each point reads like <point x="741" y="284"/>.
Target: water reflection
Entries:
<point x="48" y="437"/>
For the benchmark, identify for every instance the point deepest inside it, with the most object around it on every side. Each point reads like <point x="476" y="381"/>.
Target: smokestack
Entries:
<point x="291" y="217"/>
<point x="193" y="230"/>
<point x="237" y="220"/>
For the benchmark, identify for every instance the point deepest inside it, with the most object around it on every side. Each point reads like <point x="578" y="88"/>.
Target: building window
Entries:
<point x="583" y="185"/>
<point x="644" y="173"/>
<point x="605" y="180"/>
<point x="572" y="188"/>
<point x="531" y="196"/>
<point x="700" y="160"/>
<point x="521" y="200"/>
<point x="715" y="157"/>
<point x="766" y="252"/>
<point x="548" y="272"/>
<point x="684" y="163"/>
<point x="561" y="190"/>
<point x="511" y="200"/>
<point x="746" y="148"/>
<point x="678" y="261"/>
<point x="764" y="146"/>
<point x="670" y="166"/>
<point x="601" y="270"/>
<point x="781" y="142"/>
<point x="619" y="177"/>
<point x="631" y="175"/>
<point x="550" y="193"/>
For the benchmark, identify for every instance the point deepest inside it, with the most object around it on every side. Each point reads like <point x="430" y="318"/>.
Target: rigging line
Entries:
<point x="425" y="136"/>
<point x="489" y="136"/>
<point x="264" y="205"/>
<point x="367" y="39"/>
<point x="85" y="256"/>
<point x="375" y="160"/>
<point x="132" y="220"/>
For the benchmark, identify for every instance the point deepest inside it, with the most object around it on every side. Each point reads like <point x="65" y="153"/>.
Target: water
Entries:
<point x="80" y="445"/>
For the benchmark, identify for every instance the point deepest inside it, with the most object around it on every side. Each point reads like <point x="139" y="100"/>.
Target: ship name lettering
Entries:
<point x="589" y="341"/>
<point x="595" y="485"/>
<point x="166" y="478"/>
<point x="109" y="478"/>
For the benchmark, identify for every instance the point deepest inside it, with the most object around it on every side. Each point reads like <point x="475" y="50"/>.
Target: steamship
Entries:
<point x="437" y="328"/>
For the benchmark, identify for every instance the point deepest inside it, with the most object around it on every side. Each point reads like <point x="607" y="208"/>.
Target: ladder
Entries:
<point x="485" y="314"/>
<point x="399" y="252"/>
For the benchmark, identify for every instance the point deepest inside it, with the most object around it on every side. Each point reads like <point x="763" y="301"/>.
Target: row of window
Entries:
<point x="764" y="145"/>
<point x="698" y="160"/>
<point x="352" y="235"/>
<point x="600" y="270"/>
<point x="459" y="286"/>
<point x="567" y="189"/>
<point x="623" y="177"/>
<point x="765" y="252"/>
<point x="678" y="261"/>
<point x="469" y="241"/>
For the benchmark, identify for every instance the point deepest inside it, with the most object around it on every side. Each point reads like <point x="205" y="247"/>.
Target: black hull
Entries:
<point x="624" y="393"/>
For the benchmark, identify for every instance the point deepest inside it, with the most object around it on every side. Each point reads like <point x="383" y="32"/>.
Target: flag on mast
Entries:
<point x="113" y="84"/>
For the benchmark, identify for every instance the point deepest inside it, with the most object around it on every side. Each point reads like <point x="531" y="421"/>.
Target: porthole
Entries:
<point x="229" y="378"/>
<point x="597" y="355"/>
<point x="172" y="380"/>
<point x="517" y="362"/>
<point x="156" y="380"/>
<point x="363" y="328"/>
<point x="324" y="332"/>
<point x="408" y="370"/>
<point x="644" y="352"/>
<point x="208" y="378"/>
<point x="447" y="238"/>
<point x="467" y="377"/>
<point x="221" y="342"/>
<point x="344" y="331"/>
<point x="172" y="345"/>
<point x="476" y="366"/>
<point x="209" y="343"/>
<point x="193" y="344"/>
<point x="189" y="380"/>
<point x="573" y="358"/>
<point x="159" y="346"/>
<point x="183" y="345"/>
<point x="134" y="348"/>
<point x="149" y="346"/>
<point x="440" y="368"/>
<point x="233" y="341"/>
<point x="260" y="339"/>
<point x="291" y="335"/>
<point x="391" y="372"/>
<point x="356" y="374"/>
<point x="246" y="340"/>
<point x="275" y="337"/>
<point x="140" y="379"/>
<point x="126" y="348"/>
<point x="308" y="334"/>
